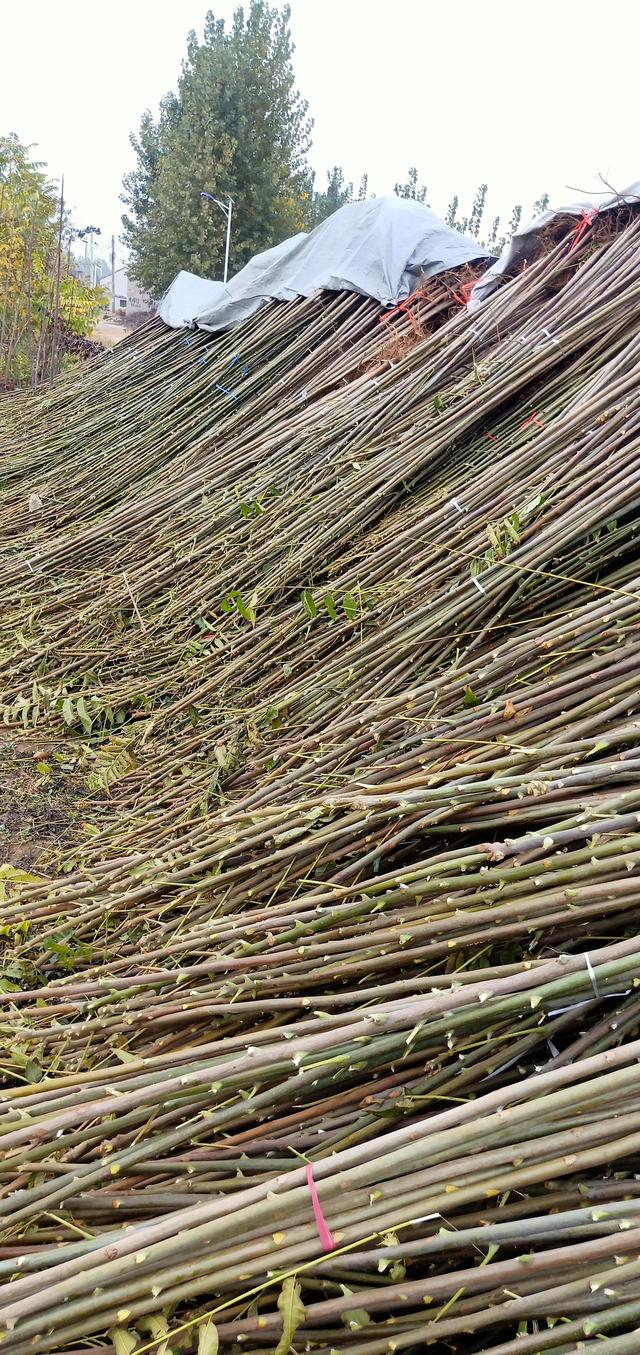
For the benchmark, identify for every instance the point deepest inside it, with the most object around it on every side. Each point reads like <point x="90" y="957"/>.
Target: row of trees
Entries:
<point x="44" y="308"/>
<point x="238" y="127"/>
<point x="493" y="235"/>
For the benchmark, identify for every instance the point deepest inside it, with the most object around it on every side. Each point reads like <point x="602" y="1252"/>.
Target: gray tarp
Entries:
<point x="524" y="244"/>
<point x="379" y="248"/>
<point x="187" y="295"/>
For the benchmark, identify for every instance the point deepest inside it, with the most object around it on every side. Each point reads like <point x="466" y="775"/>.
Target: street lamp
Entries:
<point x="227" y="209"/>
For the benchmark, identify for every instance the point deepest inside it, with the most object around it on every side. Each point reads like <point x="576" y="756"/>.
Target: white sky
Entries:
<point x="525" y="96"/>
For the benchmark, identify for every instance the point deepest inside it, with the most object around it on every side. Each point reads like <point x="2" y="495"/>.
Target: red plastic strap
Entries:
<point x="534" y="419"/>
<point x="462" y="297"/>
<point x="403" y="306"/>
<point x="324" y="1233"/>
<point x="586" y="221"/>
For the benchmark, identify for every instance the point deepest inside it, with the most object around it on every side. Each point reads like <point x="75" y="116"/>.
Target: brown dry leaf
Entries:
<point x="509" y="710"/>
<point x="253" y="735"/>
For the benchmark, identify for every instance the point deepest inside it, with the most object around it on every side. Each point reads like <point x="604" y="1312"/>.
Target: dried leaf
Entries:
<point x="114" y="760"/>
<point x="123" y="1341"/>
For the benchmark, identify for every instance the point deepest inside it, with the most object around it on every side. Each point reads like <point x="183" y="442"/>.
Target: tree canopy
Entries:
<point x="236" y="128"/>
<point x="42" y="305"/>
<point x="336" y="194"/>
<point x="493" y="236"/>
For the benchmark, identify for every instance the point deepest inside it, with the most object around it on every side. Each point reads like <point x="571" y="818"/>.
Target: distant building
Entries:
<point x="131" y="301"/>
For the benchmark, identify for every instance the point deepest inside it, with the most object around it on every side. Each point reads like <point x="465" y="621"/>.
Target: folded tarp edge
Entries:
<point x="524" y="244"/>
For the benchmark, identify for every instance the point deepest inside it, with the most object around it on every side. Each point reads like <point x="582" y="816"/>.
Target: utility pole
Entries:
<point x="89" y="232"/>
<point x="113" y="273"/>
<point x="56" y="315"/>
<point x="227" y="209"/>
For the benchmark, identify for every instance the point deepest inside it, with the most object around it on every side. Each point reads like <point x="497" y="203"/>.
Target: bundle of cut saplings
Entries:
<point x="321" y="1025"/>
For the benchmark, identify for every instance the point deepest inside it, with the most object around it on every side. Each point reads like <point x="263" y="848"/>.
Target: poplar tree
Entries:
<point x="236" y="127"/>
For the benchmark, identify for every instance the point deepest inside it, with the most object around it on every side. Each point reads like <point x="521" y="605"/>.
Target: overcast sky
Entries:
<point x="525" y="96"/>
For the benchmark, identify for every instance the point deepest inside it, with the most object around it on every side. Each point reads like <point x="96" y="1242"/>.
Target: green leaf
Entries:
<point x="68" y="712"/>
<point x="330" y="606"/>
<point x="292" y="1310"/>
<point x="512" y="530"/>
<point x="244" y="609"/>
<point x="350" y="606"/>
<point x="157" y="1324"/>
<point x="208" y="1340"/>
<point x="12" y="876"/>
<point x="308" y="602"/>
<point x="470" y="698"/>
<point x="84" y="716"/>
<point x="126" y="1056"/>
<point x="532" y="505"/>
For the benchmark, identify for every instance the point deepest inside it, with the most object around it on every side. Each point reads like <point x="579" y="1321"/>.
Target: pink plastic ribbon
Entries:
<point x="324" y="1233"/>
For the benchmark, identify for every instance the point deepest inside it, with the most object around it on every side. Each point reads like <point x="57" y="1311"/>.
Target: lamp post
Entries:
<point x="227" y="209"/>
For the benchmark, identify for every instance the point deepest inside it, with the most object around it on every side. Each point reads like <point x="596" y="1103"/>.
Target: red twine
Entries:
<point x="462" y="297"/>
<point x="324" y="1233"/>
<point x="404" y="307"/>
<point x="534" y="419"/>
<point x="586" y="221"/>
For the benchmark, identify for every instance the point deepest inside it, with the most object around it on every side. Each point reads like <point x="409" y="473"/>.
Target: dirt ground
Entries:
<point x="109" y="333"/>
<point x="38" y="805"/>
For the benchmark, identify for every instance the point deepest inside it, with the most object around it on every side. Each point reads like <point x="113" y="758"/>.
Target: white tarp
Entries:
<point x="523" y="246"/>
<point x="187" y="295"/>
<point x="379" y="248"/>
